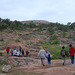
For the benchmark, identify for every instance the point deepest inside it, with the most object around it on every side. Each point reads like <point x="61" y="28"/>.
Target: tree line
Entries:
<point x="6" y="23"/>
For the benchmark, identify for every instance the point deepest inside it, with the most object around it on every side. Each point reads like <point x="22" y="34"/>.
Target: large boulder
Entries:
<point x="6" y="68"/>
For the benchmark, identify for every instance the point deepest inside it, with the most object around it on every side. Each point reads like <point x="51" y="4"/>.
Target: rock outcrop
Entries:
<point x="6" y="68"/>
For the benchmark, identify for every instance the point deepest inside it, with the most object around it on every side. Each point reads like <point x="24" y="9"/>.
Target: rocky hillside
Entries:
<point x="36" y="22"/>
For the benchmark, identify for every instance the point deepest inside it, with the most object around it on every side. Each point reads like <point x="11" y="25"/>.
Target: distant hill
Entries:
<point x="36" y="22"/>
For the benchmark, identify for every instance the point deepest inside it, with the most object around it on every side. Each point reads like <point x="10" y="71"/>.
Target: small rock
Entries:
<point x="6" y="68"/>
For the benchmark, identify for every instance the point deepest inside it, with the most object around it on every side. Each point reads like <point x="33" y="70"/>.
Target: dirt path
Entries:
<point x="56" y="68"/>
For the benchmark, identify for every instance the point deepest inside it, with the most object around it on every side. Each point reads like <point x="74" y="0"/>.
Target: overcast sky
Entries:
<point x="62" y="11"/>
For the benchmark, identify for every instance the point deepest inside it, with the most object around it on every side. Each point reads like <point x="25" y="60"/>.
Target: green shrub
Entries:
<point x="1" y="62"/>
<point x="40" y="42"/>
<point x="53" y="40"/>
<point x="68" y="55"/>
<point x="17" y="40"/>
<point x="56" y="41"/>
<point x="1" y="54"/>
<point x="5" y="62"/>
<point x="56" y="55"/>
<point x="1" y="39"/>
<point x="64" y="34"/>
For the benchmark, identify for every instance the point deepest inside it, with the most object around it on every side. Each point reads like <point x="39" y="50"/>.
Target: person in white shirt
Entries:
<point x="15" y="52"/>
<point x="42" y="55"/>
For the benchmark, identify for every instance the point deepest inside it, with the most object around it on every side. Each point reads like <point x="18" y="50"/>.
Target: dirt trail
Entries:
<point x="55" y="68"/>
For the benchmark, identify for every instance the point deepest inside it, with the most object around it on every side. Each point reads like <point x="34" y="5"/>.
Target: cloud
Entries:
<point x="62" y="11"/>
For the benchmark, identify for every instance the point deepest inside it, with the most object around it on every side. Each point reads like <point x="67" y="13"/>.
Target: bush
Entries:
<point x="5" y="62"/>
<point x="56" y="55"/>
<point x="68" y="55"/>
<point x="56" y="41"/>
<point x="1" y="54"/>
<point x="40" y="42"/>
<point x="17" y="40"/>
<point x="1" y="39"/>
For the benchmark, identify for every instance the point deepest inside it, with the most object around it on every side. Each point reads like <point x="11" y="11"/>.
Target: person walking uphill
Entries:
<point x="71" y="51"/>
<point x="42" y="55"/>
<point x="49" y="59"/>
<point x="63" y="54"/>
<point x="7" y="50"/>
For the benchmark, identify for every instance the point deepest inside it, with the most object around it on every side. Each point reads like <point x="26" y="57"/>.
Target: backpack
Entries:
<point x="63" y="52"/>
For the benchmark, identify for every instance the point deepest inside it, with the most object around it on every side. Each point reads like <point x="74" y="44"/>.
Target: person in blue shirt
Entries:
<point x="49" y="59"/>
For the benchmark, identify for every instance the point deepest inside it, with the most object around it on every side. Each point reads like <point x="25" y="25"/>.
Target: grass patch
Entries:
<point x="17" y="40"/>
<point x="3" y="62"/>
<point x="55" y="50"/>
<point x="4" y="43"/>
<point x="52" y="48"/>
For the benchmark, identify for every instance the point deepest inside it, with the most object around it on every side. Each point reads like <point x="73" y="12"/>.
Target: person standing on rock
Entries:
<point x="20" y="49"/>
<point x="42" y="55"/>
<point x="7" y="50"/>
<point x="63" y="54"/>
<point x="15" y="52"/>
<point x="22" y="53"/>
<point x="71" y="52"/>
<point x="27" y="52"/>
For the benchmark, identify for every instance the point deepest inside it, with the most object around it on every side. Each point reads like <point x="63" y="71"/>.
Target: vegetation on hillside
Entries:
<point x="6" y="23"/>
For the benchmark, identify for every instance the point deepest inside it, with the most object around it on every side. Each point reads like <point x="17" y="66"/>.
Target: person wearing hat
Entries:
<point x="63" y="54"/>
<point x="71" y="52"/>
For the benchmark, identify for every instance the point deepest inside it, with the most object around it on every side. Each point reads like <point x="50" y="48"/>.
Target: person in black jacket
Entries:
<point x="63" y="54"/>
<point x="22" y="53"/>
<point x="49" y="59"/>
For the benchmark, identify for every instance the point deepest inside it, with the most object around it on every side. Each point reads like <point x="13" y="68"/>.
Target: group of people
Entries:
<point x="71" y="52"/>
<point x="42" y="55"/>
<point x="16" y="52"/>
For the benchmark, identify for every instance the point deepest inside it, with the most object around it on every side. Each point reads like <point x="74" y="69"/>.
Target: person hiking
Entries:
<point x="22" y="53"/>
<point x="49" y="59"/>
<point x="71" y="52"/>
<point x="11" y="52"/>
<point x="42" y="55"/>
<point x="20" y="49"/>
<point x="15" y="52"/>
<point x="27" y="52"/>
<point x="63" y="54"/>
<point x="7" y="50"/>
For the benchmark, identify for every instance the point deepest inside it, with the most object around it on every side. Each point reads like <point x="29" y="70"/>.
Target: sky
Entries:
<point x="61" y="11"/>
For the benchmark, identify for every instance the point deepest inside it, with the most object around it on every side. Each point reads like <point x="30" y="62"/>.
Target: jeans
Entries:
<point x="49" y="62"/>
<point x="7" y="53"/>
<point x="63" y="59"/>
<point x="42" y="60"/>
<point x="22" y="55"/>
<point x="72" y="59"/>
<point x="27" y="54"/>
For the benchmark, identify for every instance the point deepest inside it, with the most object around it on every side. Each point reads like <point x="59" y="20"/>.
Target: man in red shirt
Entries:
<point x="7" y="50"/>
<point x="71" y="51"/>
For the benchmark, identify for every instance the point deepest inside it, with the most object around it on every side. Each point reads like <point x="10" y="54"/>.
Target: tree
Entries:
<point x="69" y="23"/>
